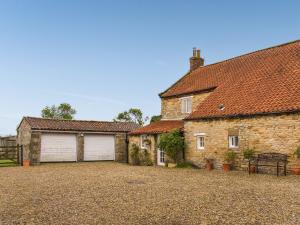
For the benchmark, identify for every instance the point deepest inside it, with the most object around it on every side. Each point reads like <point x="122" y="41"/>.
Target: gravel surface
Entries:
<point x="112" y="193"/>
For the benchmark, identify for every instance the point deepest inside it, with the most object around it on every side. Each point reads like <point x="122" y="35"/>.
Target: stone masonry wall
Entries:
<point x="35" y="148"/>
<point x="135" y="139"/>
<point x="80" y="147"/>
<point x="263" y="133"/>
<point x="24" y="138"/>
<point x="121" y="147"/>
<point x="171" y="107"/>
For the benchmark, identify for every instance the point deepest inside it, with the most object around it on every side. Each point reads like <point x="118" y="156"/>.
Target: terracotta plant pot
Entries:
<point x="295" y="170"/>
<point x="26" y="162"/>
<point x="226" y="167"/>
<point x="209" y="166"/>
<point x="252" y="169"/>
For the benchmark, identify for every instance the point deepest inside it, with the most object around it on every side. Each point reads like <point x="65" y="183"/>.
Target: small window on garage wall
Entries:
<point x="233" y="141"/>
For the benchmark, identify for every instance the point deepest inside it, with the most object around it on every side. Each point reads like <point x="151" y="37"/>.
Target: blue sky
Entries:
<point x="104" y="57"/>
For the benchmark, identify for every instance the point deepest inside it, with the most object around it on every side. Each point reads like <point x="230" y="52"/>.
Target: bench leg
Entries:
<point x="249" y="165"/>
<point x="277" y="170"/>
<point x="284" y="169"/>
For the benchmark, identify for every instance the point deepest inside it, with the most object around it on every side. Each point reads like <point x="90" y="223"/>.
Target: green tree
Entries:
<point x="155" y="118"/>
<point x="132" y="115"/>
<point x="172" y="144"/>
<point x="63" y="111"/>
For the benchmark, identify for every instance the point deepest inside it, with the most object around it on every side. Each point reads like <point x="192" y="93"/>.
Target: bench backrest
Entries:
<point x="272" y="156"/>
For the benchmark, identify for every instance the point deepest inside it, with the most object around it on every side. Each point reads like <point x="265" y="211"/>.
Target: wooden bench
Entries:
<point x="270" y="159"/>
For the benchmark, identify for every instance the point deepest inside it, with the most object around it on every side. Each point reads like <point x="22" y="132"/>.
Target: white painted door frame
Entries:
<point x="160" y="157"/>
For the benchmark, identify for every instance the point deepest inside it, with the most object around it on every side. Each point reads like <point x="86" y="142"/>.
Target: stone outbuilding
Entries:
<point x="53" y="140"/>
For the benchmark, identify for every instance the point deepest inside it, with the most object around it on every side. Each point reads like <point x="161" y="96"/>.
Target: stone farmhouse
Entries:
<point x="250" y="101"/>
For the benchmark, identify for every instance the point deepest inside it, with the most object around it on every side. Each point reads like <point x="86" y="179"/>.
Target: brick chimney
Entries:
<point x="196" y="61"/>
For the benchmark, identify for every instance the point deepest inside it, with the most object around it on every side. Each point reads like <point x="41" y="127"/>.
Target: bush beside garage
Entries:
<point x="53" y="140"/>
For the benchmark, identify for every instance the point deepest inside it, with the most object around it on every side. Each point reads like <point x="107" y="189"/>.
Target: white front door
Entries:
<point x="99" y="147"/>
<point x="58" y="148"/>
<point x="160" y="157"/>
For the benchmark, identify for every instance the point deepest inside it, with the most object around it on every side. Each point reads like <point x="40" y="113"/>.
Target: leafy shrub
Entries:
<point x="134" y="154"/>
<point x="145" y="159"/>
<point x="185" y="165"/>
<point x="230" y="156"/>
<point x="297" y="152"/>
<point x="249" y="153"/>
<point x="172" y="144"/>
<point x="140" y="156"/>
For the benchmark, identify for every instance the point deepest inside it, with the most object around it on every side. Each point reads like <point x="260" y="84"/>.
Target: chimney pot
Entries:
<point x="196" y="61"/>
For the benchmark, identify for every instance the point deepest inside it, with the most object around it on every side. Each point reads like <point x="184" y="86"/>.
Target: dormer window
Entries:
<point x="186" y="105"/>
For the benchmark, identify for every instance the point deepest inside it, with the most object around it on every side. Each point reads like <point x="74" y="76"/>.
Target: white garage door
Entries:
<point x="58" y="148"/>
<point x="99" y="147"/>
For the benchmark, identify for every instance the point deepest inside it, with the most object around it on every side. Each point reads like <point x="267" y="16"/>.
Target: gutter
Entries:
<point x="242" y="115"/>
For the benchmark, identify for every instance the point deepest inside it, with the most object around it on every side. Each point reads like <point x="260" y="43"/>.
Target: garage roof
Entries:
<point x="79" y="125"/>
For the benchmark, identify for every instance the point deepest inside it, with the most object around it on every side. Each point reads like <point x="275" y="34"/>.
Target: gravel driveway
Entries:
<point x="112" y="193"/>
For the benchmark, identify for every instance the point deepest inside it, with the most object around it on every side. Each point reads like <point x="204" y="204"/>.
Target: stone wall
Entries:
<point x="121" y="147"/>
<point x="171" y="107"/>
<point x="24" y="138"/>
<point x="35" y="148"/>
<point x="135" y="139"/>
<point x="263" y="133"/>
<point x="80" y="147"/>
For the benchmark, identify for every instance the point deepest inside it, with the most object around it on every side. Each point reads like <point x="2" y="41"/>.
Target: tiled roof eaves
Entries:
<point x="190" y="93"/>
<point x="241" y="115"/>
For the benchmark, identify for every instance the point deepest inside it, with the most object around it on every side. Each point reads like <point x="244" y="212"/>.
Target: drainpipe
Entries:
<point x="127" y="153"/>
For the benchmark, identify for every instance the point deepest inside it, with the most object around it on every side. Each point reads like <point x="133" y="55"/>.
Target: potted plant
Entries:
<point x="249" y="155"/>
<point x="172" y="144"/>
<point x="26" y="162"/>
<point x="296" y="169"/>
<point x="229" y="158"/>
<point x="209" y="164"/>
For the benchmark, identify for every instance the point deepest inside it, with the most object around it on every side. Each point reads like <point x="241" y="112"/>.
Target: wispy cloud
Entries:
<point x="90" y="99"/>
<point x="161" y="63"/>
<point x="10" y="117"/>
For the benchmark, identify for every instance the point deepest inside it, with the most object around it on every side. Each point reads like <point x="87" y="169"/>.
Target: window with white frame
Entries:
<point x="143" y="139"/>
<point x="200" y="142"/>
<point x="186" y="105"/>
<point x="233" y="141"/>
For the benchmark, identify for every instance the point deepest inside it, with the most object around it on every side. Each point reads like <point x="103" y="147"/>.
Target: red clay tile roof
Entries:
<point x="262" y="82"/>
<point x="159" y="127"/>
<point x="80" y="125"/>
